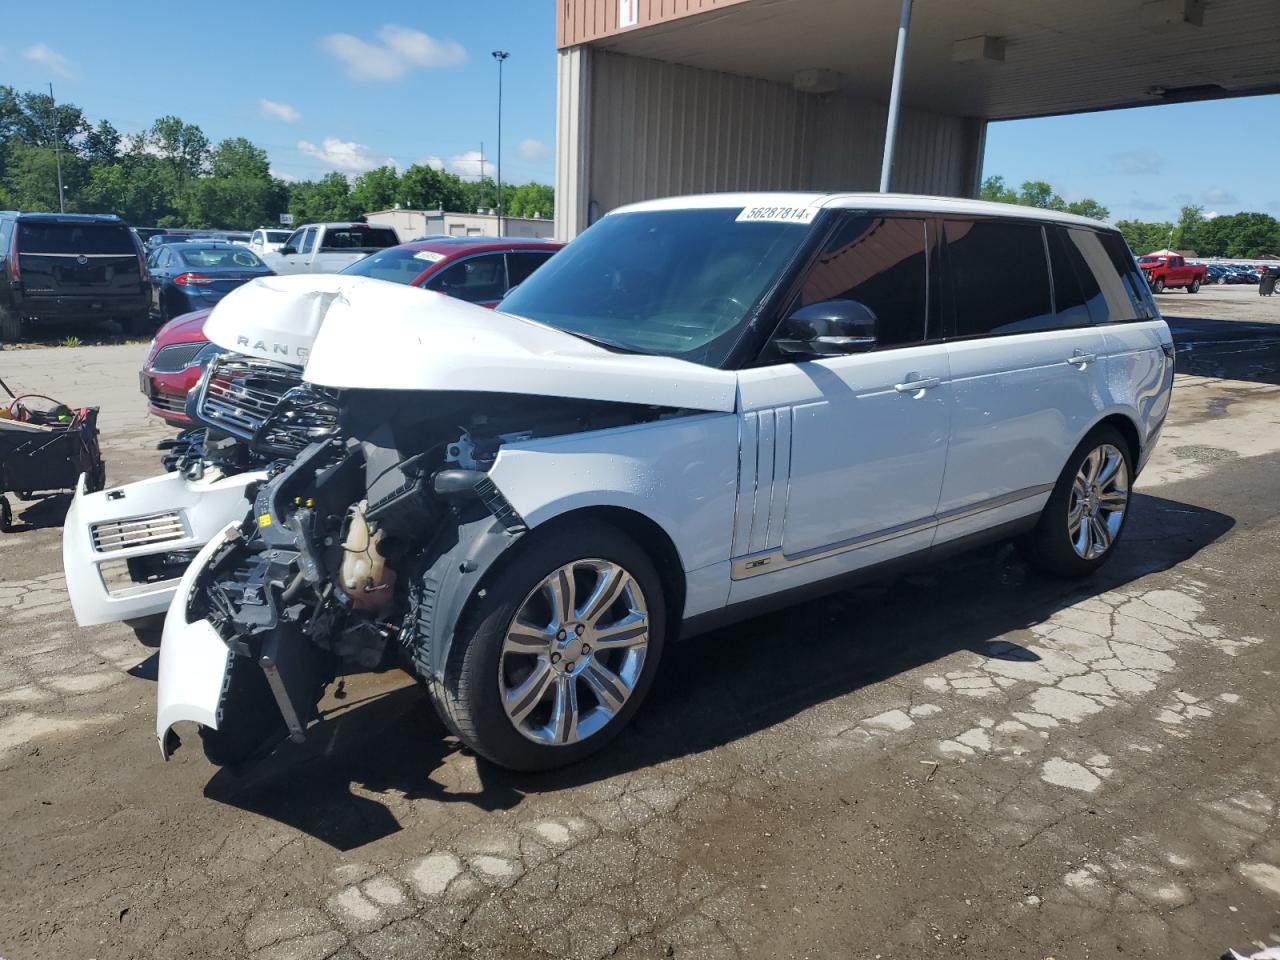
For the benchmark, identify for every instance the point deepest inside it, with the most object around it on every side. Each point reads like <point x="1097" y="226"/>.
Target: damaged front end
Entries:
<point x="357" y="555"/>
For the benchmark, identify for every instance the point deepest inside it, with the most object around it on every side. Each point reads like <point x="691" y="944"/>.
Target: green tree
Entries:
<point x="1038" y="193"/>
<point x="1145" y="237"/>
<point x="1186" y="235"/>
<point x="426" y="188"/>
<point x="318" y="201"/>
<point x="994" y="190"/>
<point x="530" y="200"/>
<point x="1088" y="208"/>
<point x="183" y="146"/>
<point x="102" y="144"/>
<point x="378" y="189"/>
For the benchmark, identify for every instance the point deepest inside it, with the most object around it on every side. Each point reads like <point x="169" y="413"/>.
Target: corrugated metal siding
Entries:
<point x="581" y="21"/>
<point x="659" y="129"/>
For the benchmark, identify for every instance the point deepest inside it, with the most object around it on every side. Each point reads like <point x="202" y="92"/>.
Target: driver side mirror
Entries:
<point x="831" y="328"/>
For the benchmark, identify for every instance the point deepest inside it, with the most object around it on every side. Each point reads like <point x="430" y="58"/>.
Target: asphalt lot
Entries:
<point x="970" y="762"/>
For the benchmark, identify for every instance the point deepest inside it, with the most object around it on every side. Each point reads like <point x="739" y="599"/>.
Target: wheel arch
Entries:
<point x="1127" y="428"/>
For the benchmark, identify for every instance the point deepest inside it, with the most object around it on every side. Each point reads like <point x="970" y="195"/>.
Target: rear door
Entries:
<point x="1026" y="367"/>
<point x="70" y="259"/>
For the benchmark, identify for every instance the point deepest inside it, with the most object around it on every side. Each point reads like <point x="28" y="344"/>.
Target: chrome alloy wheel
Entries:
<point x="1099" y="498"/>
<point x="574" y="652"/>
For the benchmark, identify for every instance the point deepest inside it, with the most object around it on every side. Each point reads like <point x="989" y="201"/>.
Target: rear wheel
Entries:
<point x="11" y="325"/>
<point x="6" y="515"/>
<point x="557" y="652"/>
<point x="1087" y="510"/>
<point x="1195" y="287"/>
<point x="1158" y="286"/>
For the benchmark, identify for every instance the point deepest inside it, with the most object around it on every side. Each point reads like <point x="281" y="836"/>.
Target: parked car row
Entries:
<point x="701" y="408"/>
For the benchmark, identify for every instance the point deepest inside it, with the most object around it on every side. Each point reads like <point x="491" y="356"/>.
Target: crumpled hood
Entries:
<point x="375" y="335"/>
<point x="276" y="317"/>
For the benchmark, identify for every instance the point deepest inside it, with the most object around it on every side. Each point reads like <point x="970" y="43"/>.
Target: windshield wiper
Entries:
<point x="600" y="342"/>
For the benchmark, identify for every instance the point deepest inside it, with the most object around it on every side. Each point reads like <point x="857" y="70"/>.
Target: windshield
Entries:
<point x="399" y="265"/>
<point x="220" y="258"/>
<point x="678" y="283"/>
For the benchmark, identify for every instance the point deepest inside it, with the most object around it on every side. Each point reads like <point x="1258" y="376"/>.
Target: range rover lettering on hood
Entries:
<point x="373" y="335"/>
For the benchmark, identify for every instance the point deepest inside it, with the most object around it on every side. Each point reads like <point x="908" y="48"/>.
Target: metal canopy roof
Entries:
<point x="1060" y="56"/>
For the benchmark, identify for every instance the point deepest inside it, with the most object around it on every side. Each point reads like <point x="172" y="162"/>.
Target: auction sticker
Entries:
<point x="428" y="255"/>
<point x="778" y="214"/>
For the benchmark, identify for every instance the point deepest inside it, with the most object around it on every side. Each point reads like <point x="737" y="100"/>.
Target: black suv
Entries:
<point x="69" y="266"/>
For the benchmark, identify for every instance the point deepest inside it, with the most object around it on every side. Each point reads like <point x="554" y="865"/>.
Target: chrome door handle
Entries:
<point x="918" y="386"/>
<point x="1080" y="359"/>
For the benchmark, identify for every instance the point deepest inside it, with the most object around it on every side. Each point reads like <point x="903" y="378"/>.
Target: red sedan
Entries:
<point x="476" y="269"/>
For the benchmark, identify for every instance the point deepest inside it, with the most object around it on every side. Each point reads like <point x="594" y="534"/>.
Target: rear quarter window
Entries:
<point x="61" y="238"/>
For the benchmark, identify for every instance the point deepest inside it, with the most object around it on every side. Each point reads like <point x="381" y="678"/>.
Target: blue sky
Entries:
<point x="328" y="85"/>
<point x="1144" y="164"/>
<point x="353" y="84"/>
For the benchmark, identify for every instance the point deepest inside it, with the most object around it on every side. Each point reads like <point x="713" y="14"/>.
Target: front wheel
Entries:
<point x="557" y="652"/>
<point x="1086" y="512"/>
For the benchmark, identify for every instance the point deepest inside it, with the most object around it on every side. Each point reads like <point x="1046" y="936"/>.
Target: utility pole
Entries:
<point x="895" y="97"/>
<point x="501" y="57"/>
<point x="57" y="148"/>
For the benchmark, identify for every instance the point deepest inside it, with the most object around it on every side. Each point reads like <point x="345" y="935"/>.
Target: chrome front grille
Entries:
<point x="237" y="392"/>
<point x="112" y="535"/>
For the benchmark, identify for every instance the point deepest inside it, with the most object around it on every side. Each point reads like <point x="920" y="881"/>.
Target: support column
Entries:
<point x="895" y="97"/>
<point x="573" y="141"/>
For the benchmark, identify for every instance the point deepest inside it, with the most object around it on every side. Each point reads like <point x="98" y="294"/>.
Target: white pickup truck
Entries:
<point x="329" y="247"/>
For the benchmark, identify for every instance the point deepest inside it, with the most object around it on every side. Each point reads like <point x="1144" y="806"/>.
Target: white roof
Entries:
<point x="860" y="201"/>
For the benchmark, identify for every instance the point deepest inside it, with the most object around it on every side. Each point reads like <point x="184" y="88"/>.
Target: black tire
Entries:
<point x="11" y="326"/>
<point x="140" y="325"/>
<point x="1195" y="287"/>
<point x="250" y="723"/>
<point x="1158" y="286"/>
<point x="1050" y="544"/>
<point x="469" y="699"/>
<point x="6" y="515"/>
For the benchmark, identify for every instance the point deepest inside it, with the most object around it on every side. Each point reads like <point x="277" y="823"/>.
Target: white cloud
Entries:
<point x="1211" y="215"/>
<point x="1136" y="162"/>
<point x="281" y="111"/>
<point x="469" y="165"/>
<point x="533" y="151"/>
<point x="58" y="65"/>
<point x="399" y="51"/>
<point x="281" y="175"/>
<point x="1218" y="196"/>
<point x="432" y="161"/>
<point x="344" y="155"/>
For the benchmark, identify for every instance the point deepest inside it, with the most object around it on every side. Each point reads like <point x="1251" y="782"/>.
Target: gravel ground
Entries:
<point x="970" y="762"/>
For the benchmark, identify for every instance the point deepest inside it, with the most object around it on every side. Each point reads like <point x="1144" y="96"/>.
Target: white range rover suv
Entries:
<point x="700" y="407"/>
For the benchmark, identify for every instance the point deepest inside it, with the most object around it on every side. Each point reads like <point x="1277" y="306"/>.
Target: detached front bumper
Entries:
<point x="123" y="548"/>
<point x="194" y="660"/>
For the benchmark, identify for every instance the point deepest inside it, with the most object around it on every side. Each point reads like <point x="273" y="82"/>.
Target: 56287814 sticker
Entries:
<point x="777" y="214"/>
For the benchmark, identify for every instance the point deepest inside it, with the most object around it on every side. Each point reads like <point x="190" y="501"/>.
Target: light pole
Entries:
<point x="500" y="56"/>
<point x="57" y="150"/>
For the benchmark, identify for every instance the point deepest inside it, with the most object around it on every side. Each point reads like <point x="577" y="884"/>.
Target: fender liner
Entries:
<point x="452" y="570"/>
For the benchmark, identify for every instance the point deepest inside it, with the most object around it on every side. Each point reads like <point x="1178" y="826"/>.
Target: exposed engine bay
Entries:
<point x="325" y="575"/>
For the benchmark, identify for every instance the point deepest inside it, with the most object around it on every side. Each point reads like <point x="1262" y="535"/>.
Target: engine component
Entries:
<point x="364" y="575"/>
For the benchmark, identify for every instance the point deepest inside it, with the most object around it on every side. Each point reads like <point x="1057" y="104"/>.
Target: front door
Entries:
<point x="842" y="458"/>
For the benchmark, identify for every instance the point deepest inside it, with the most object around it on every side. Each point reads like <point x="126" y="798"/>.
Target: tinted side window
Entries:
<point x="1121" y="289"/>
<point x="1135" y="284"/>
<point x="999" y="278"/>
<point x="520" y="265"/>
<point x="476" y="280"/>
<point x="1073" y="283"/>
<point x="882" y="262"/>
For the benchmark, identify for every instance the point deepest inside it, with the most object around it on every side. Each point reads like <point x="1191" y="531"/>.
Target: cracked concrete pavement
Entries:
<point x="970" y="761"/>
